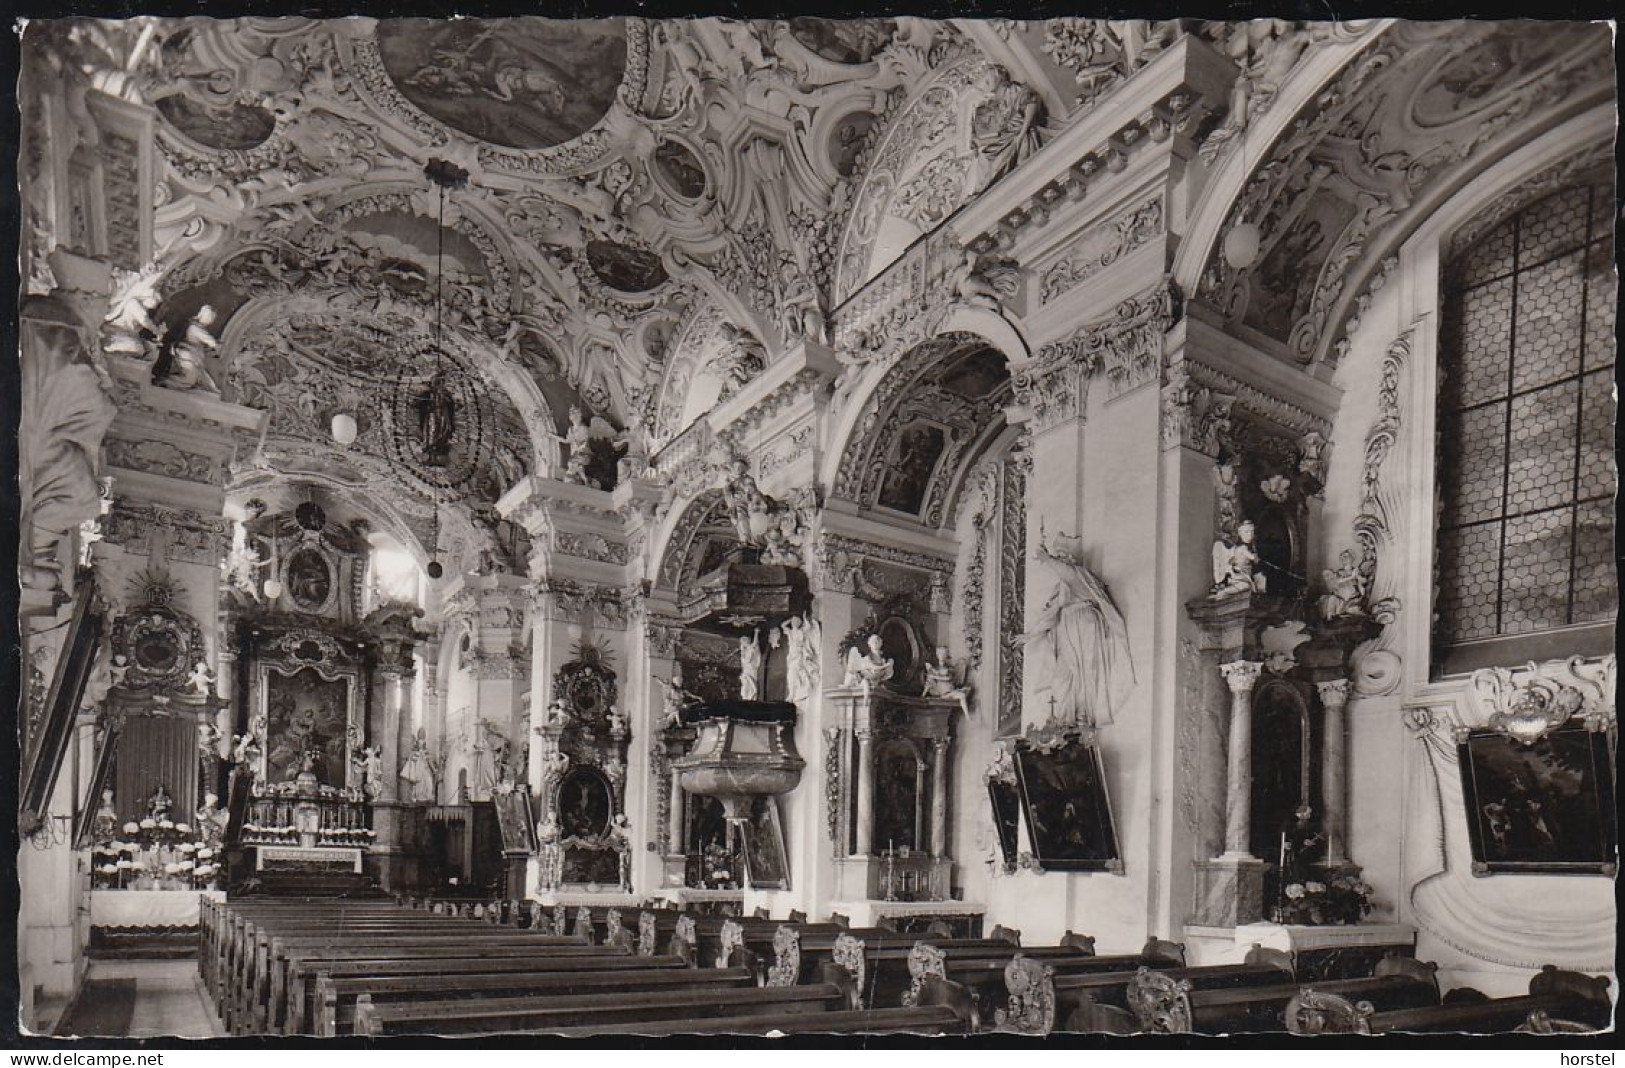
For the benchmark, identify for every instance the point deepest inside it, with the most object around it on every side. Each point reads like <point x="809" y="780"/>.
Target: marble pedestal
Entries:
<point x="1229" y="891"/>
<point x="395" y="854"/>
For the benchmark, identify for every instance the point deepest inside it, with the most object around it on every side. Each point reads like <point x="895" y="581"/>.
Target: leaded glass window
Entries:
<point x="1526" y="438"/>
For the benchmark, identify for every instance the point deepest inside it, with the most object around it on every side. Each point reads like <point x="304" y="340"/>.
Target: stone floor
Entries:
<point x="169" y="997"/>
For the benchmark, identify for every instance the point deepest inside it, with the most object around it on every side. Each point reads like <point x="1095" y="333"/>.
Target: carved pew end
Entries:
<point x="1012" y="935"/>
<point x="1081" y="942"/>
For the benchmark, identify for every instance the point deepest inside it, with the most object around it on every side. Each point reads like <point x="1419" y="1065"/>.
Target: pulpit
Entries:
<point x="891" y="818"/>
<point x="744" y="755"/>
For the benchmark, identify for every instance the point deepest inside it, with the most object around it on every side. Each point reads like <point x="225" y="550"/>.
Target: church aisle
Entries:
<point x="169" y="1001"/>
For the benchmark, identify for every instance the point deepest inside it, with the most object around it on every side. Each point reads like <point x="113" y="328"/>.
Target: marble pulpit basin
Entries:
<point x="737" y="759"/>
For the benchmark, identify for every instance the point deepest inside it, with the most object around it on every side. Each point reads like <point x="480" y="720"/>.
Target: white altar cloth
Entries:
<point x="148" y="908"/>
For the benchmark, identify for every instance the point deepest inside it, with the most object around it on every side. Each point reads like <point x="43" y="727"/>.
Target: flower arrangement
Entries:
<point x="148" y="863"/>
<point x="1343" y="899"/>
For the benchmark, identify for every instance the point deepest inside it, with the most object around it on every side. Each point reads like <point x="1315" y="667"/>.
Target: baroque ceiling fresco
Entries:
<point x="652" y="205"/>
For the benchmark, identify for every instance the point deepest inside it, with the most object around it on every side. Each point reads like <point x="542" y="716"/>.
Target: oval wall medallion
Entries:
<point x="630" y="270"/>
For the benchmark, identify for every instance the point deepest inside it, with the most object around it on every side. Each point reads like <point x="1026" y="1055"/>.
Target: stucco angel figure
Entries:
<point x="1345" y="588"/>
<point x="941" y="680"/>
<point x="129" y="329"/>
<point x="674" y="698"/>
<point x="1080" y="643"/>
<point x="866" y="666"/>
<point x="182" y="366"/>
<point x="201" y="680"/>
<point x="1235" y="563"/>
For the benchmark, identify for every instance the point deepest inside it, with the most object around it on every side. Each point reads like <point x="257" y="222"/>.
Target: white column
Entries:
<point x="939" y="797"/>
<point x="1240" y="675"/>
<point x="1334" y="698"/>
<point x="866" y="791"/>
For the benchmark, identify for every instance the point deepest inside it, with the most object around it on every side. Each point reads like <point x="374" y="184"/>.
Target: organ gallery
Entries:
<point x="944" y="526"/>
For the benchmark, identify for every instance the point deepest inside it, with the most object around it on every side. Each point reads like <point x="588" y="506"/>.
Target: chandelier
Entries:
<point x="438" y="410"/>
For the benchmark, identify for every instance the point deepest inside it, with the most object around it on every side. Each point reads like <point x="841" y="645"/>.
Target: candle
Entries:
<point x="1283" y="852"/>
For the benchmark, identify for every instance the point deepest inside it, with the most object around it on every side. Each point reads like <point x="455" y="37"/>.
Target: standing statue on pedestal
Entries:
<point x="105" y="827"/>
<point x="578" y="438"/>
<point x="750" y="668"/>
<point x="1080" y="641"/>
<point x="210" y="820"/>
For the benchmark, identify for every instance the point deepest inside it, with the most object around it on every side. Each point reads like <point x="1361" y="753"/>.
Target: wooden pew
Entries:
<point x="253" y="993"/>
<point x="792" y="965"/>
<point x="942" y="1010"/>
<point x="278" y="975"/>
<point x="548" y="1014"/>
<point x="1041" y="999"/>
<point x="1163" y="1004"/>
<point x="305" y="972"/>
<point x="244" y="944"/>
<point x="1562" y="999"/>
<point x="336" y="998"/>
<point x="986" y="975"/>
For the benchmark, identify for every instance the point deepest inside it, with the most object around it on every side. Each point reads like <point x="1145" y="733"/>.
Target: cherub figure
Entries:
<point x="1235" y="563"/>
<point x="866" y="666"/>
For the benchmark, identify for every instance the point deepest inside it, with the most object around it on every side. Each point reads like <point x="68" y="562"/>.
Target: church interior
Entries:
<point x="653" y="526"/>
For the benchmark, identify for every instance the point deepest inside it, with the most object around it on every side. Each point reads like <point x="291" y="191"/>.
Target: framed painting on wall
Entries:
<point x="514" y="820"/>
<point x="765" y="864"/>
<point x="1006" y="799"/>
<point x="1063" y="796"/>
<point x="1546" y="806"/>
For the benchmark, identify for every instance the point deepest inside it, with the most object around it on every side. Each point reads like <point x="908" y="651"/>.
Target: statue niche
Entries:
<point x="583" y="834"/>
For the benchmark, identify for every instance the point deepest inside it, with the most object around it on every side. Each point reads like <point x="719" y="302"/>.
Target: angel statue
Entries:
<point x="941" y="681"/>
<point x="1080" y="640"/>
<point x="181" y="365"/>
<point x="865" y="666"/>
<point x="1235" y="563"/>
<point x="674" y="698"/>
<point x="129" y="329"/>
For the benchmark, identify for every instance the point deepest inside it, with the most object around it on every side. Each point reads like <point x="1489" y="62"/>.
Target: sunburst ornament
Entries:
<point x="154" y="586"/>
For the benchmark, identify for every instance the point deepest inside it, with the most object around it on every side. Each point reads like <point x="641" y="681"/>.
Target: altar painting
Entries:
<point x="306" y="712"/>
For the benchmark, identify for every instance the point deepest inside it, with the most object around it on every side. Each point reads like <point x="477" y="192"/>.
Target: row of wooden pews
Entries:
<point x="1263" y="994"/>
<point x="419" y="967"/>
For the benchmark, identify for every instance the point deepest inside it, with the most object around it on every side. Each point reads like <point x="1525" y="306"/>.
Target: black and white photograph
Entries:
<point x="1023" y="527"/>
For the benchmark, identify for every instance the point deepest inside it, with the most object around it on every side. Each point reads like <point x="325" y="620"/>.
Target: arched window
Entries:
<point x="1526" y="460"/>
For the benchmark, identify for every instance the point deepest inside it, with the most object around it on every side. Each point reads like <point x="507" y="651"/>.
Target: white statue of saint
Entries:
<point x="1080" y="643"/>
<point x="577" y="438"/>
<point x="750" y="667"/>
<point x="1235" y="563"/>
<point x="866" y="666"/>
<point x="1345" y="588"/>
<point x="799" y="687"/>
<point x="185" y="367"/>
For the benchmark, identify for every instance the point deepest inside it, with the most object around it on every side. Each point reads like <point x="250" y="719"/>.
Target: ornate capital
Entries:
<point x="1193" y="415"/>
<point x="1127" y="348"/>
<point x="1334" y="693"/>
<point x="1240" y="675"/>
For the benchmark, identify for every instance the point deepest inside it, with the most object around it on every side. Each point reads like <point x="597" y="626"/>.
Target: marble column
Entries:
<point x="675" y="821"/>
<point x="939" y="797"/>
<point x="388" y="741"/>
<point x="1240" y="675"/>
<point x="866" y="791"/>
<point x="1334" y="697"/>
